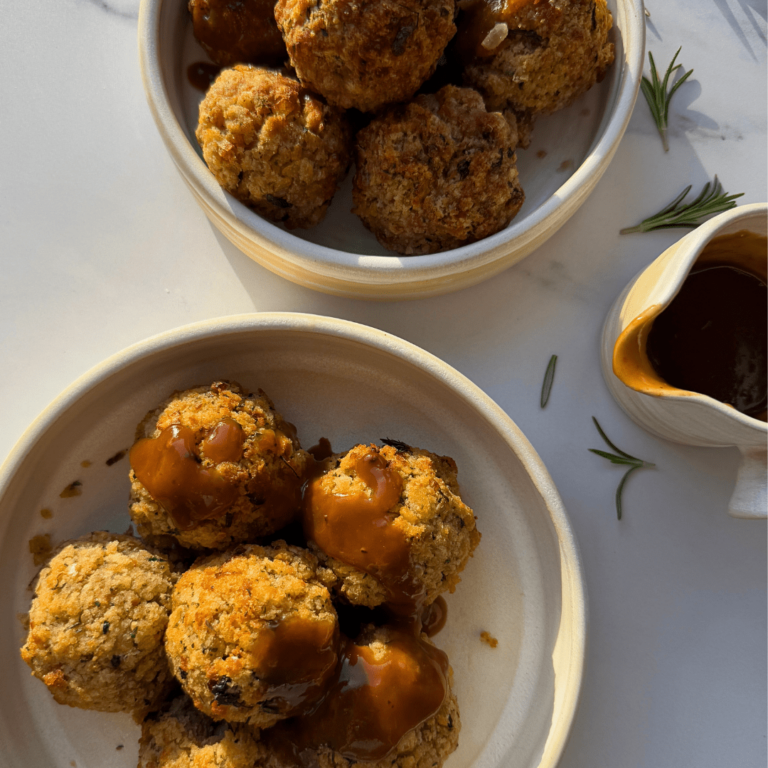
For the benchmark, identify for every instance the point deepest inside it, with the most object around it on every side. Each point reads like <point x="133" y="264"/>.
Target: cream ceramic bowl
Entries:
<point x="677" y="415"/>
<point x="340" y="256"/>
<point x="349" y="383"/>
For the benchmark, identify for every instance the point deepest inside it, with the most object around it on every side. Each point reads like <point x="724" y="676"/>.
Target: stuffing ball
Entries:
<point x="178" y="736"/>
<point x="97" y="621"/>
<point x="376" y="715"/>
<point x="253" y="636"/>
<point x="238" y="31"/>
<point x="221" y="467"/>
<point x="365" y="54"/>
<point x="404" y="537"/>
<point x="437" y="173"/>
<point x="533" y="58"/>
<point x="275" y="146"/>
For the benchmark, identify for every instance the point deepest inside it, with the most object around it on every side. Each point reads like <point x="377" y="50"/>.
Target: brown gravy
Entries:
<point x="357" y="529"/>
<point x="434" y="617"/>
<point x="225" y="442"/>
<point x="297" y="658"/>
<point x="371" y="705"/>
<point x="201" y="75"/>
<point x="322" y="450"/>
<point x="169" y="467"/>
<point x="712" y="338"/>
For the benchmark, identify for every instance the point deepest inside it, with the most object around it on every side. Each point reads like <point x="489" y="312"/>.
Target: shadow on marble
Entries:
<point x="746" y="6"/>
<point x="651" y="27"/>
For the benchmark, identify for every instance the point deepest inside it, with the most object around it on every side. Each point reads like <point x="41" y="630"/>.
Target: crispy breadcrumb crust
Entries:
<point x="275" y="146"/>
<point x="179" y="736"/>
<point x="220" y="606"/>
<point x="97" y="621"/>
<point x="437" y="173"/>
<point x="365" y="53"/>
<point x="268" y="476"/>
<point x="555" y="51"/>
<point x="439" y="526"/>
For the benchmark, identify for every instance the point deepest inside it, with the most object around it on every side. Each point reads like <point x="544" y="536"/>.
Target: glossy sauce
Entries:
<point x="357" y="529"/>
<point x="322" y="450"/>
<point x="201" y="75"/>
<point x="434" y="617"/>
<point x="371" y="705"/>
<point x="169" y="467"/>
<point x="712" y="338"/>
<point x="225" y="442"/>
<point x="297" y="658"/>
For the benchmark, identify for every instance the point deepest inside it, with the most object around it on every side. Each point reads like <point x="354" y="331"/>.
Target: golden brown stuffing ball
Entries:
<point x="275" y="146"/>
<point x="179" y="736"/>
<point x="238" y="31"/>
<point x="222" y="467"/>
<point x="534" y="57"/>
<point x="426" y="746"/>
<point x="97" y="621"/>
<point x="437" y="173"/>
<point x="365" y="54"/>
<point x="415" y="544"/>
<point x="253" y="635"/>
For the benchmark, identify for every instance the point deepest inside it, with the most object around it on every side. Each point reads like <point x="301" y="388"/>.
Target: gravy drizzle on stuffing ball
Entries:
<point x="293" y="655"/>
<point x="169" y="468"/>
<point x="356" y="529"/>
<point x="379" y="695"/>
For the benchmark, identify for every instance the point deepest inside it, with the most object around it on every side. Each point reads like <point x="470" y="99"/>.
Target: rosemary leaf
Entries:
<point x="711" y="200"/>
<point x="612" y="458"/>
<point x="620" y="489"/>
<point x="657" y="95"/>
<point x="549" y="377"/>
<point x="610" y="444"/>
<point x="620" y="458"/>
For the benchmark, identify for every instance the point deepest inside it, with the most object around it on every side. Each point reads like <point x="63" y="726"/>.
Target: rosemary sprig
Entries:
<point x="676" y="214"/>
<point x="549" y="377"/>
<point x="622" y="458"/>
<point x="655" y="92"/>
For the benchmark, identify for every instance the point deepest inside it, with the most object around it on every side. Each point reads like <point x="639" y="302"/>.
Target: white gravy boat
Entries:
<point x="674" y="414"/>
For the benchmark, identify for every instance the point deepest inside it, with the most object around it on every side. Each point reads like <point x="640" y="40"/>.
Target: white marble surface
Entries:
<point x="102" y="245"/>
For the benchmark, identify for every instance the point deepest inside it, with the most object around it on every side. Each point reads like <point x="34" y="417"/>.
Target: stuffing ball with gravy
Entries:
<point x="368" y="53"/>
<point x="253" y="636"/>
<point x="389" y="526"/>
<point x="390" y="707"/>
<point x="437" y="173"/>
<point x="97" y="621"/>
<point x="215" y="466"/>
<point x="276" y="147"/>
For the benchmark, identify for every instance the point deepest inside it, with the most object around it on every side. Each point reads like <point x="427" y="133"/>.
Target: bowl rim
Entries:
<point x="574" y="599"/>
<point x="332" y="264"/>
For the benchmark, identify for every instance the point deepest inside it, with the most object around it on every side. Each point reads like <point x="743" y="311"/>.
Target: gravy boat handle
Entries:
<point x="750" y="496"/>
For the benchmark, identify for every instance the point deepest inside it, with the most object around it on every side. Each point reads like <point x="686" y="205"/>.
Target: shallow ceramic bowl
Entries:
<point x="349" y="383"/>
<point x="340" y="256"/>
